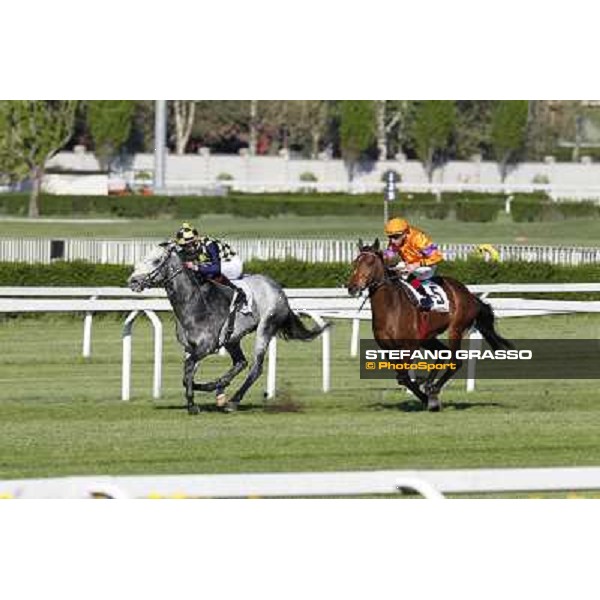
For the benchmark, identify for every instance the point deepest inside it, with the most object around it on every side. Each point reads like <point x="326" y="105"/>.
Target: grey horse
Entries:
<point x="205" y="321"/>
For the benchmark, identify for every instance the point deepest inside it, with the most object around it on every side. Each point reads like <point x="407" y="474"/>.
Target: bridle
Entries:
<point x="375" y="285"/>
<point x="152" y="277"/>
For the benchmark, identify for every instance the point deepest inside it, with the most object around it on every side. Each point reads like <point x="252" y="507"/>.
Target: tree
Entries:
<point x="221" y="124"/>
<point x="313" y="122"/>
<point x="12" y="168"/>
<point x="357" y="130"/>
<point x="433" y="123"/>
<point x="31" y="132"/>
<point x="141" y="138"/>
<point x="269" y="125"/>
<point x="472" y="128"/>
<point x="297" y="123"/>
<point x="509" y="130"/>
<point x="237" y="123"/>
<point x="261" y="125"/>
<point x="392" y="117"/>
<point x="253" y="127"/>
<point x="110" y="123"/>
<point x="184" y="111"/>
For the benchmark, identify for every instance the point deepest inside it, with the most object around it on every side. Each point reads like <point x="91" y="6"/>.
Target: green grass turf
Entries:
<point x="61" y="415"/>
<point x="503" y="230"/>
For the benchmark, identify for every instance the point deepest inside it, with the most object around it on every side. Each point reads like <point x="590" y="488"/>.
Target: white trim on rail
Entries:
<point x="339" y="292"/>
<point x="430" y="483"/>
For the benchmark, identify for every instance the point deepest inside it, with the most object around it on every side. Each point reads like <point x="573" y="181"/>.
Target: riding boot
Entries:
<point x="426" y="303"/>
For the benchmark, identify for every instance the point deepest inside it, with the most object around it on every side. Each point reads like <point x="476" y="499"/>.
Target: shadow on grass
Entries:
<point x="417" y="406"/>
<point x="211" y="408"/>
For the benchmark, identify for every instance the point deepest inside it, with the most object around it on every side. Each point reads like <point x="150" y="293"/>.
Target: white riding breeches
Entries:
<point x="233" y="268"/>
<point x="424" y="273"/>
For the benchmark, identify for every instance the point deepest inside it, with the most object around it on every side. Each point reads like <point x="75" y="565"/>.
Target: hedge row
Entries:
<point x="524" y="209"/>
<point x="463" y="207"/>
<point x="294" y="273"/>
<point x="186" y="207"/>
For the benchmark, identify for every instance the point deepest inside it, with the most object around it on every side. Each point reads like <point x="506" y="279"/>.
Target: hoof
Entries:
<point x="230" y="407"/>
<point x="221" y="400"/>
<point x="193" y="409"/>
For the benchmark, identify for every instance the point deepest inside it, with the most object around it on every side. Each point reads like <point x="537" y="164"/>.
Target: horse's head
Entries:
<point x="156" y="268"/>
<point x="367" y="268"/>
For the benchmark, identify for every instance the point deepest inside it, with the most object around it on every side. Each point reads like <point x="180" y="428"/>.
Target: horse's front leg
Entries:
<point x="189" y="369"/>
<point x="239" y="363"/>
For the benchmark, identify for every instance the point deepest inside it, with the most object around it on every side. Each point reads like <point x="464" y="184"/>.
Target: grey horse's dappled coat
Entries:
<point x="202" y="308"/>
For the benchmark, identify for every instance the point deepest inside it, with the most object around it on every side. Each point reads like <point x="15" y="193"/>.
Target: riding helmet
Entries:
<point x="395" y="226"/>
<point x="186" y="234"/>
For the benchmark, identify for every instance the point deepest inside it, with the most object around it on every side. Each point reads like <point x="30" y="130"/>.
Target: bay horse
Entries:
<point x="202" y="311"/>
<point x="399" y="325"/>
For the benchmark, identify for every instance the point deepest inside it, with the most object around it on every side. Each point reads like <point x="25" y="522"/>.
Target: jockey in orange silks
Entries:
<point x="411" y="252"/>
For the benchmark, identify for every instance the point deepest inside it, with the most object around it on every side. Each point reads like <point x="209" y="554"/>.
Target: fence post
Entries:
<point x="126" y="366"/>
<point x="87" y="332"/>
<point x="158" y="345"/>
<point x="326" y="359"/>
<point x="355" y="337"/>
<point x="272" y="368"/>
<point x="474" y="344"/>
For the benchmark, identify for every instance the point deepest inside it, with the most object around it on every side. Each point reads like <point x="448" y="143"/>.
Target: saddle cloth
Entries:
<point x="246" y="309"/>
<point x="435" y="291"/>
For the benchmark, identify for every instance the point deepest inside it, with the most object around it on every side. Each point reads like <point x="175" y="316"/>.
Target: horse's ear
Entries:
<point x="360" y="244"/>
<point x="376" y="245"/>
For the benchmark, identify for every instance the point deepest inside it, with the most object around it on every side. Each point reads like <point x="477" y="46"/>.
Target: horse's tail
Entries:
<point x="294" y="329"/>
<point x="484" y="323"/>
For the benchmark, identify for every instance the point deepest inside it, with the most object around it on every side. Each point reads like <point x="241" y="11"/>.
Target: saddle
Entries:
<point x="433" y="287"/>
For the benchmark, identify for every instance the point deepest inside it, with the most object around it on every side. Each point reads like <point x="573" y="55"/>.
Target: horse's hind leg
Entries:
<point x="454" y="342"/>
<point x="404" y="379"/>
<point x="431" y="387"/>
<point x="263" y="337"/>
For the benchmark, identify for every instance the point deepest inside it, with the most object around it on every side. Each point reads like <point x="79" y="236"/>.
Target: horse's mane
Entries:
<point x="171" y="248"/>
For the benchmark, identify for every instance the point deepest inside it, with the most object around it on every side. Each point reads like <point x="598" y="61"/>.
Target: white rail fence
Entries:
<point x="431" y="484"/>
<point x="317" y="303"/>
<point x="330" y="302"/>
<point x="127" y="252"/>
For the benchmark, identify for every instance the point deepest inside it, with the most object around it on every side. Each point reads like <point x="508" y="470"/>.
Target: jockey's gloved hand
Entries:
<point x="190" y="265"/>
